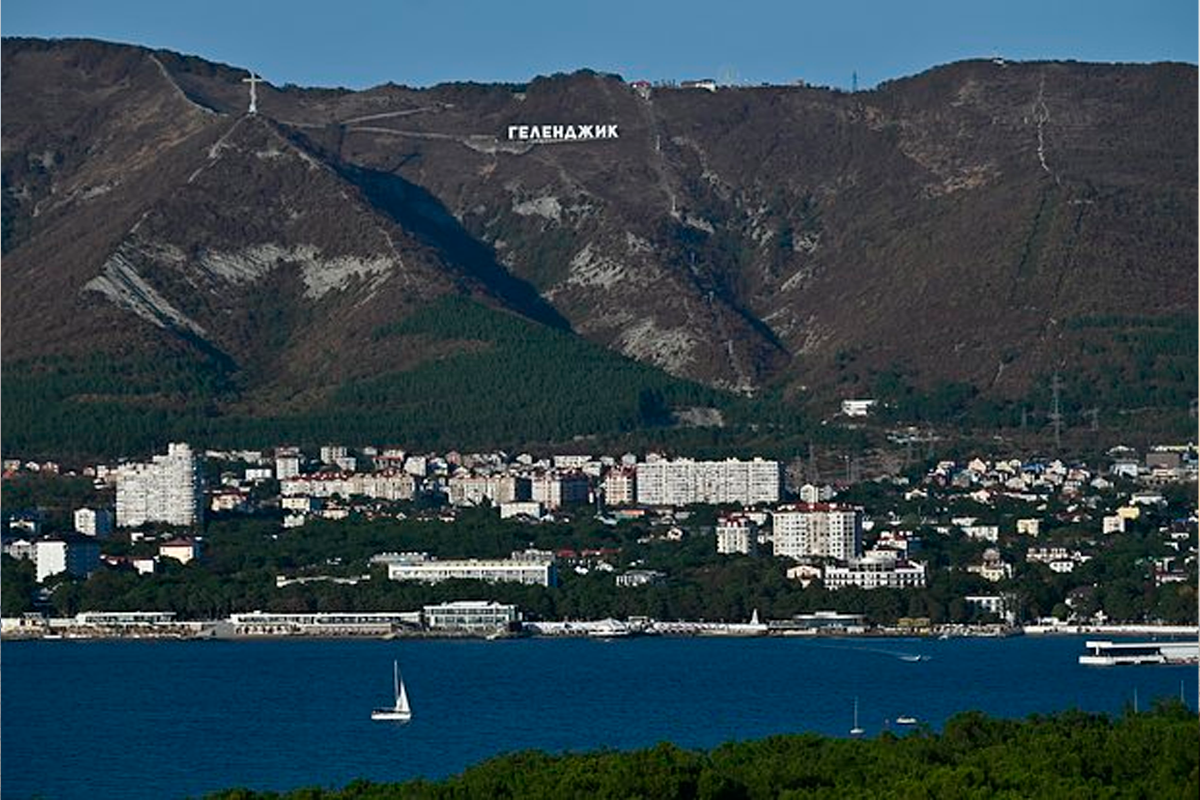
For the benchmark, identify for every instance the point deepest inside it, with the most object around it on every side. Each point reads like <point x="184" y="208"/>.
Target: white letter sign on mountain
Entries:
<point x="547" y="134"/>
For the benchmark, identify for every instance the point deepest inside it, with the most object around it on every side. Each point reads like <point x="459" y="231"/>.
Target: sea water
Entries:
<point x="154" y="719"/>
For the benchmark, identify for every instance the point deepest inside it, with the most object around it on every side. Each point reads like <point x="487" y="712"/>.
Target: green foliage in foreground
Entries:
<point x="1071" y="754"/>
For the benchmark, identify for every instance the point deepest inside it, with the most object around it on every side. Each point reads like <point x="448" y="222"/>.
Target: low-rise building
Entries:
<point x="470" y="616"/>
<point x="988" y="603"/>
<point x="521" y="568"/>
<point x="521" y="508"/>
<point x="640" y="577"/>
<point x="993" y="568"/>
<point x="876" y="570"/>
<point x="1031" y="526"/>
<point x="184" y="550"/>
<point x="857" y="408"/>
<point x="987" y="533"/>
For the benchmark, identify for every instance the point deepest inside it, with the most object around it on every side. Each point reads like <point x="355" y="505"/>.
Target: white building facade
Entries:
<point x="96" y="522"/>
<point x="77" y="557"/>
<point x="169" y="489"/>
<point x="424" y="568"/>
<point x="826" y="530"/>
<point x="876" y="570"/>
<point x="737" y="533"/>
<point x="685" y="482"/>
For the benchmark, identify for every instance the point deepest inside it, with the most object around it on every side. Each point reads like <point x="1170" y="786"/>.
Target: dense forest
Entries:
<point x="1070" y="754"/>
<point x="508" y="382"/>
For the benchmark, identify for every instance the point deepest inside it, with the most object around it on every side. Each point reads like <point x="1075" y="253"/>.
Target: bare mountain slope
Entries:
<point x="982" y="224"/>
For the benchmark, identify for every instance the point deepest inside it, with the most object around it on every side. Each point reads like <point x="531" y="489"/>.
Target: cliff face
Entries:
<point x="951" y="227"/>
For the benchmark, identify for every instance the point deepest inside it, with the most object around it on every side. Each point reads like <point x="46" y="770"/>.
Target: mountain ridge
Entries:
<point x="941" y="229"/>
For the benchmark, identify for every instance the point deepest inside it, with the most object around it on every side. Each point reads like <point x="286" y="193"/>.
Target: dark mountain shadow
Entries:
<point x="422" y="214"/>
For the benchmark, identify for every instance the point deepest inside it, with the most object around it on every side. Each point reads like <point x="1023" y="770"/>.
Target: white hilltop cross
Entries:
<point x="252" y="80"/>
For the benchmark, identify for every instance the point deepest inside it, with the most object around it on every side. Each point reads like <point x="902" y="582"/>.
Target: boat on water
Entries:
<point x="906" y="720"/>
<point x="913" y="657"/>
<point x="1109" y="654"/>
<point x="856" y="731"/>
<point x="400" y="712"/>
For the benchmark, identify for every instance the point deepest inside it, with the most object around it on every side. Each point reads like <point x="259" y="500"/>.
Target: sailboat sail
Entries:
<point x="401" y="695"/>
<point x="400" y="711"/>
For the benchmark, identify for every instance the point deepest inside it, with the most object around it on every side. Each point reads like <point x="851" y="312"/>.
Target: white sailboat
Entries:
<point x="856" y="731"/>
<point x="401" y="711"/>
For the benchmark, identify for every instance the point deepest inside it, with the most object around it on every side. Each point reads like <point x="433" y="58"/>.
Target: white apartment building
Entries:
<point x="876" y="570"/>
<point x="557" y="489"/>
<point x="685" y="482"/>
<point x="737" y="533"/>
<point x="620" y="486"/>
<point x="96" y="522"/>
<point x="826" y="530"/>
<point x="167" y="489"/>
<point x="74" y="556"/>
<point x="389" y="485"/>
<point x="521" y="568"/>
<point x="478" y="490"/>
<point x="331" y="453"/>
<point x="287" y="466"/>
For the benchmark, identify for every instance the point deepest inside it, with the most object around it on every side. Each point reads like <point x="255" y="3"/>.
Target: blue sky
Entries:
<point x="420" y="42"/>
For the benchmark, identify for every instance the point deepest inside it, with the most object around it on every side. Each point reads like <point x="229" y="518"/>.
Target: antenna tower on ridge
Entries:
<point x="1056" y="414"/>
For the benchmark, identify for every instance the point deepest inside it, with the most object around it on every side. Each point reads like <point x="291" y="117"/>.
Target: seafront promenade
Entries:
<point x="392" y="625"/>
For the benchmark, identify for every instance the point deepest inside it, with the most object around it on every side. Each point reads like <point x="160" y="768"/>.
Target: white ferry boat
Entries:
<point x="1108" y="654"/>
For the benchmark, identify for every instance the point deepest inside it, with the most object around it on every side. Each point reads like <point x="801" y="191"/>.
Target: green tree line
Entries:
<point x="1069" y="754"/>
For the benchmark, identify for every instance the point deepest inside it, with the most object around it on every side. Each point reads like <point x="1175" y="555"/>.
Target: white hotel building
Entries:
<point x="686" y="482"/>
<point x="876" y="570"/>
<point x="167" y="489"/>
<point x="825" y="530"/>
<point x="528" y="568"/>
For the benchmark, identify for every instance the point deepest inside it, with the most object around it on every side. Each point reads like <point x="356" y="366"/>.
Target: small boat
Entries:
<point x="906" y="720"/>
<point x="856" y="731"/>
<point x="911" y="657"/>
<point x="400" y="712"/>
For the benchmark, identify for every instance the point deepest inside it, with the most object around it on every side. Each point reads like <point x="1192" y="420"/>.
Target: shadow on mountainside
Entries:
<point x="423" y="215"/>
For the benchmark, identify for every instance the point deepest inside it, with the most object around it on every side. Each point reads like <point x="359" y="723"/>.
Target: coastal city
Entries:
<point x="1014" y="537"/>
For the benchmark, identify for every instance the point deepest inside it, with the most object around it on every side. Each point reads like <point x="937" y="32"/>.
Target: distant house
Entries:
<point x="182" y="550"/>
<point x="704" y="83"/>
<point x="640" y="577"/>
<point x="1029" y="526"/>
<point x="857" y="408"/>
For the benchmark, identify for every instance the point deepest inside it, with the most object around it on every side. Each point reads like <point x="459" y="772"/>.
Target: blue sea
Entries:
<point x="155" y="719"/>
